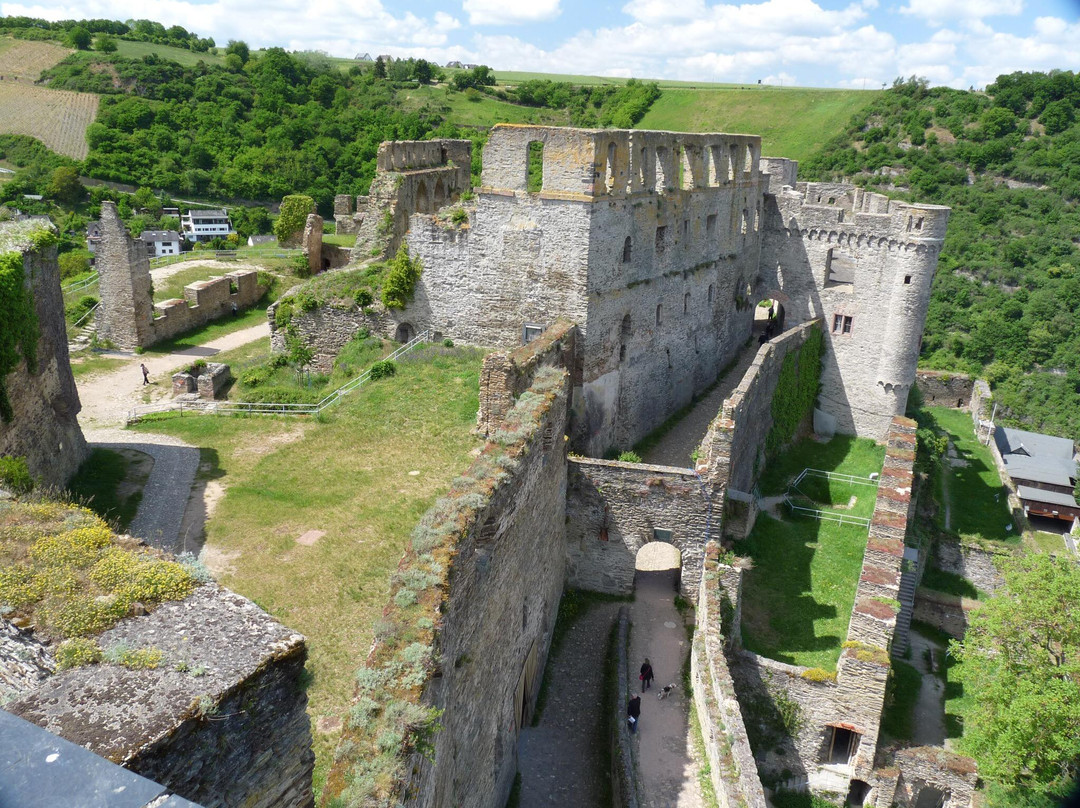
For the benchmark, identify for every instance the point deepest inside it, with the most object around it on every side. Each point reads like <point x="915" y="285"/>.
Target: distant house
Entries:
<point x="386" y="57"/>
<point x="470" y="66"/>
<point x="455" y="64"/>
<point x="93" y="236"/>
<point x="161" y="242"/>
<point x="171" y="212"/>
<point x="1043" y="469"/>
<point x="204" y="225"/>
<point x="363" y="57"/>
<point x="255" y="241"/>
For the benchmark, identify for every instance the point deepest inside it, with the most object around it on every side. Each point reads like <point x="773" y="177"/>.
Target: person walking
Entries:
<point x="145" y="373"/>
<point x="633" y="712"/>
<point x="646" y="676"/>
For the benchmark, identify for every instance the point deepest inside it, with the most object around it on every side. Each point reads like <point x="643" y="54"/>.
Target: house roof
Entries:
<point x="261" y="239"/>
<point x="93" y="229"/>
<point x="214" y="213"/>
<point x="160" y="235"/>
<point x="1036" y="457"/>
<point x="1047" y="497"/>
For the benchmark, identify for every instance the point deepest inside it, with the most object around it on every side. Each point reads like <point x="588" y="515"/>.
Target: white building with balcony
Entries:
<point x="204" y="225"/>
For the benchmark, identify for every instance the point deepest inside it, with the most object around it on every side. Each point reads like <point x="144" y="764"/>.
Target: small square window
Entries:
<point x="847" y="325"/>
<point x="529" y="332"/>
<point x="907" y="279"/>
<point x="837" y="322"/>
<point x="710" y="224"/>
<point x="661" y="534"/>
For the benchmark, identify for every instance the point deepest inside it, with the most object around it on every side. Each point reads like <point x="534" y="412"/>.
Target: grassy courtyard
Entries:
<point x="978" y="502"/>
<point x="316" y="512"/>
<point x="798" y="597"/>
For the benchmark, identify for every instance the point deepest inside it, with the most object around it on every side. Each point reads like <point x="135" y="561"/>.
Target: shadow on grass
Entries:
<point x="843" y="453"/>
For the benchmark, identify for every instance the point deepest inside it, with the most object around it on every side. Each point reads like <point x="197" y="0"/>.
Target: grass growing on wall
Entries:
<point x="346" y="473"/>
<point x="796" y="389"/>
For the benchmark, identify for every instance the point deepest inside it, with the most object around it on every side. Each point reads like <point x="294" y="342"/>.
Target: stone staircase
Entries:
<point x="909" y="580"/>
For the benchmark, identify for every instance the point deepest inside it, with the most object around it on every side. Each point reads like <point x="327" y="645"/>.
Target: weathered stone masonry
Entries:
<point x="45" y="404"/>
<point x="238" y="734"/>
<point x="128" y="316"/>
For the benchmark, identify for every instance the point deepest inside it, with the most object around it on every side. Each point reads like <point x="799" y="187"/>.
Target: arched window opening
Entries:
<point x="534" y="181"/>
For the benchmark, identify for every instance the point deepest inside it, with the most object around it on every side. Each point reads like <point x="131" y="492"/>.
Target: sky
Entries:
<point x="856" y="44"/>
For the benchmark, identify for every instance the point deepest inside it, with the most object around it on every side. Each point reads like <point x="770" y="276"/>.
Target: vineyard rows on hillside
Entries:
<point x="58" y="118"/>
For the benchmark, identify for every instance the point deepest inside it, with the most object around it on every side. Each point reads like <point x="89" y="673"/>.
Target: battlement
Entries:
<point x="592" y="163"/>
<point x="413" y="155"/>
<point x="844" y="208"/>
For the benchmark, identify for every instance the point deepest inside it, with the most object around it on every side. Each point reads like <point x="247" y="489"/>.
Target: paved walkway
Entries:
<point x="676" y="447"/>
<point x="665" y="756"/>
<point x="561" y="760"/>
<point x="929" y="718"/>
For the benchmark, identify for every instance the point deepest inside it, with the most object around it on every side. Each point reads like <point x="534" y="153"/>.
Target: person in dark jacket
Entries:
<point x="646" y="676"/>
<point x="633" y="711"/>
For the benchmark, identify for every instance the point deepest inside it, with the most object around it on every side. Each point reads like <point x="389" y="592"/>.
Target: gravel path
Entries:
<point x="665" y="755"/>
<point x="107" y="397"/>
<point x="560" y="759"/>
<point x="675" y="448"/>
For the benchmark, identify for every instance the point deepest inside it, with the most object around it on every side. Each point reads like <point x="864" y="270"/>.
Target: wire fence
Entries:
<point x="833" y="475"/>
<point x="270" y="408"/>
<point x="70" y="289"/>
<point x="826" y="516"/>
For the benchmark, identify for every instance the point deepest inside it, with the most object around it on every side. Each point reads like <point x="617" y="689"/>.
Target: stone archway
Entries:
<point x="659" y="560"/>
<point x="769" y="320"/>
<point x="404" y="333"/>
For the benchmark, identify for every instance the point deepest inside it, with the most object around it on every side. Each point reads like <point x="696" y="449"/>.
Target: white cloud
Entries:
<point x="510" y="12"/>
<point x="937" y="12"/>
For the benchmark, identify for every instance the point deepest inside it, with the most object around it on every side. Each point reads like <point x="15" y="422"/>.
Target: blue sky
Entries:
<point x="822" y="43"/>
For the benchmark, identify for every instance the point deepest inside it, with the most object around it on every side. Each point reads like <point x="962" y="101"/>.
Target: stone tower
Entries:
<point x="127" y="305"/>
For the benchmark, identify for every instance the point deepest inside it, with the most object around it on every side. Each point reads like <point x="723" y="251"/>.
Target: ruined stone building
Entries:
<point x="658" y="245"/>
<point x="44" y="404"/>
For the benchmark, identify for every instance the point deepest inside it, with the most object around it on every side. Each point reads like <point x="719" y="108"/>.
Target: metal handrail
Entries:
<point x="827" y="516"/>
<point x="83" y="319"/>
<point x="270" y="408"/>
<point x="75" y="286"/>
<point x="834" y="475"/>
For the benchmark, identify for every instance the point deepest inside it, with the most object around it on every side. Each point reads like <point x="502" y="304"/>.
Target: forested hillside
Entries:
<point x="1006" y="300"/>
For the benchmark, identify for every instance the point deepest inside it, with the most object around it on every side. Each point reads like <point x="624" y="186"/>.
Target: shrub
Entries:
<point x="253" y="377"/>
<point x="448" y="343"/>
<point x="380" y="370"/>
<point x="401" y="278"/>
<point x="15" y="476"/>
<point x="73" y="262"/>
<point x="300" y="266"/>
<point x="76" y="652"/>
<point x="629" y="457"/>
<point x="459" y="216"/>
<point x="364" y="298"/>
<point x="290" y="223"/>
<point x="81" y="307"/>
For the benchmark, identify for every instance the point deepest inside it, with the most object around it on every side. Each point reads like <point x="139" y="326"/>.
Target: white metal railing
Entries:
<point x="86" y="316"/>
<point x="77" y="286"/>
<point x="826" y="516"/>
<point x="270" y="408"/>
<point x="833" y="475"/>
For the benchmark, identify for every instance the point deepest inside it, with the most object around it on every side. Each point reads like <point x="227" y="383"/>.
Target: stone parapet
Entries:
<point x="224" y="723"/>
<point x="940" y="388"/>
<point x="972" y="561"/>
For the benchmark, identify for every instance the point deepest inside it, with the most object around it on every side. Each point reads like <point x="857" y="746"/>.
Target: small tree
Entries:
<point x="240" y="48"/>
<point x="105" y="44"/>
<point x="400" y="283"/>
<point x="290" y="222"/>
<point x="79" y="38"/>
<point x="1021" y="658"/>
<point x="380" y="68"/>
<point x="64" y="185"/>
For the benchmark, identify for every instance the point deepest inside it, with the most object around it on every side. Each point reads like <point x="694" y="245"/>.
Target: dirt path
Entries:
<point x="929" y="718"/>
<point x="675" y="448"/>
<point x="665" y="756"/>
<point x="559" y="759"/>
<point x="107" y="397"/>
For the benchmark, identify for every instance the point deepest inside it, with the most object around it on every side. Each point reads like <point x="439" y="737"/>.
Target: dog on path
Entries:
<point x="665" y="691"/>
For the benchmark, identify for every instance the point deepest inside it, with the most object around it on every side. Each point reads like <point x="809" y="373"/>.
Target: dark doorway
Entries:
<point x="930" y="797"/>
<point x="857" y="793"/>
<point x="404" y="333"/>
<point x="842" y="746"/>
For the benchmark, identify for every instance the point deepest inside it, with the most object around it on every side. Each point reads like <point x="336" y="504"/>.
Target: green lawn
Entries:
<point x="792" y="122"/>
<point x="87" y="363"/>
<point x="843" y="497"/>
<point x="978" y="502"/>
<point x="1044" y="542"/>
<point x="340" y="241"/>
<point x="211" y="331"/>
<point x="859" y="457"/>
<point x="173" y="286"/>
<point x="137" y="50"/>
<point x="346" y="473"/>
<point x="797" y="599"/>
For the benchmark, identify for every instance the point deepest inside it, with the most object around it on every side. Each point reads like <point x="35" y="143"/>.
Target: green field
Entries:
<point x="792" y="122"/>
<point x="137" y="50"/>
<point x="485" y="112"/>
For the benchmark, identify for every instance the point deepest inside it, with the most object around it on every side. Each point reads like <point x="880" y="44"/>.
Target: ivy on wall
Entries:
<point x="796" y="390"/>
<point x="19" y="336"/>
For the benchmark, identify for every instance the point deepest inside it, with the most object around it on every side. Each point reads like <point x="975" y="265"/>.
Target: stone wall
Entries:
<point x="411" y="177"/>
<point x="312" y="244"/>
<point x="946" y="612"/>
<point x="44" y="428"/>
<point x="733" y="450"/>
<point x="128" y="316"/>
<point x="832" y="250"/>
<point x="942" y="389"/>
<point x="981" y="400"/>
<point x="614" y="509"/>
<point x="230" y="728"/>
<point x="974" y="562"/>
<point x="922" y="769"/>
<point x="732" y="769"/>
<point x="506" y="375"/>
<point x="624" y="768"/>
